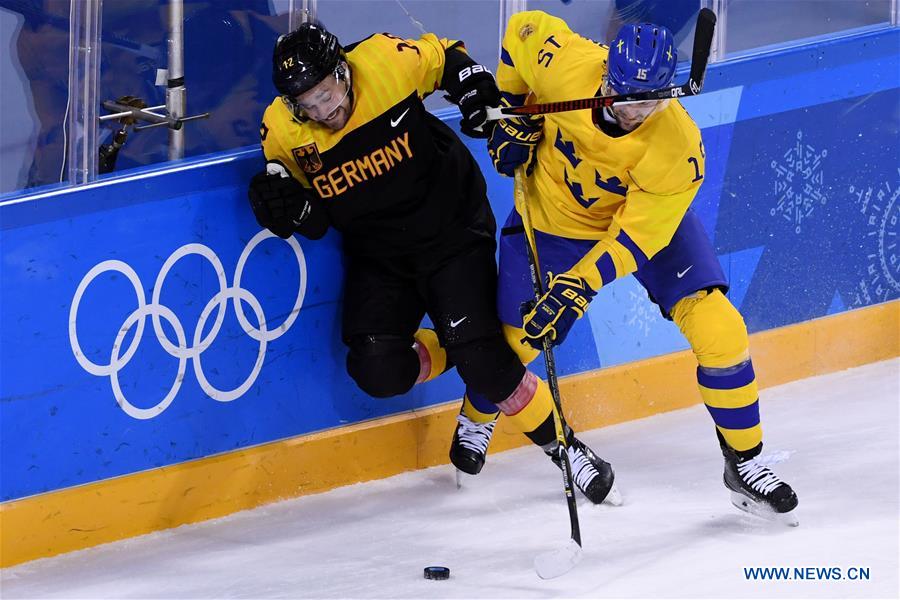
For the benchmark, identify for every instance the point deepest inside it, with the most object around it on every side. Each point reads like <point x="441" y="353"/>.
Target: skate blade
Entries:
<point x="765" y="512"/>
<point x="614" y="498"/>
<point x="560" y="561"/>
<point x="463" y="479"/>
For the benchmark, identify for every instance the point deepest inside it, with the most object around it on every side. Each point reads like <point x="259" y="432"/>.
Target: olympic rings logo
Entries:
<point x="180" y="350"/>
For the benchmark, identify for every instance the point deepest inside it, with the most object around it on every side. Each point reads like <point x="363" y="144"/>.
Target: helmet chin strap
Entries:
<point x="296" y="111"/>
<point x="343" y="74"/>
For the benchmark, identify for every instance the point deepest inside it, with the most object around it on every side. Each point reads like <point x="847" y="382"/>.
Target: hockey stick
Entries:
<point x="703" y="36"/>
<point x="560" y="561"/>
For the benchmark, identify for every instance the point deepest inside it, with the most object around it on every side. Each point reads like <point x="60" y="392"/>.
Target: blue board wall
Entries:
<point x="104" y="370"/>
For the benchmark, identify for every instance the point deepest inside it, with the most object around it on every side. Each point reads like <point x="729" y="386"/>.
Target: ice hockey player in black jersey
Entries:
<point x="349" y="145"/>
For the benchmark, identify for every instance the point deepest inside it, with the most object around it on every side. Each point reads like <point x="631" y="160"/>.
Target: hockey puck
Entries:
<point x="437" y="573"/>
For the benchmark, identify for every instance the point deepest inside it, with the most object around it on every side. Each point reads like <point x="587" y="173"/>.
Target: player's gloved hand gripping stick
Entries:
<point x="513" y="142"/>
<point x="551" y="318"/>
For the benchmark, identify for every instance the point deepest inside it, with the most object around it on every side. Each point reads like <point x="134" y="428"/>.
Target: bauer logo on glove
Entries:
<point x="471" y="87"/>
<point x="514" y="143"/>
<point x="566" y="300"/>
<point x="519" y="134"/>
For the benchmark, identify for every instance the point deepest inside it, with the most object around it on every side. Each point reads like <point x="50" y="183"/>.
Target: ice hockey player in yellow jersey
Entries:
<point x="350" y="146"/>
<point x="609" y="194"/>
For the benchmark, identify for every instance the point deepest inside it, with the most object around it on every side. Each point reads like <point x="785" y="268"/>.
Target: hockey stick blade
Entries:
<point x="560" y="561"/>
<point x="703" y="36"/>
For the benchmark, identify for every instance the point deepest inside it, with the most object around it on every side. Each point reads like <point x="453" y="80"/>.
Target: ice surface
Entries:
<point x="834" y="438"/>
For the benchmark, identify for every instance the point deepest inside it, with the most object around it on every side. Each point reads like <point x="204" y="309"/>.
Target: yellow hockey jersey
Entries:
<point x="395" y="180"/>
<point x="629" y="192"/>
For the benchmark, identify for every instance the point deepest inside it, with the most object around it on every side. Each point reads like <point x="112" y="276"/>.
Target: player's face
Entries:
<point x="633" y="114"/>
<point x="328" y="102"/>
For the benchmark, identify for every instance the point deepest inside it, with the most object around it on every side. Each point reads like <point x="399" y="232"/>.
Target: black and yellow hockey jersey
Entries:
<point x="396" y="181"/>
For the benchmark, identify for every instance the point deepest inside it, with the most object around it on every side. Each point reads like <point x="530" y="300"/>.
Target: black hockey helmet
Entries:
<point x="303" y="58"/>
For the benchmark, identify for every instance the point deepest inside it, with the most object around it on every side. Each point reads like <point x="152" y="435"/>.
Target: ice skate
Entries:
<point x="591" y="474"/>
<point x="470" y="443"/>
<point x="756" y="489"/>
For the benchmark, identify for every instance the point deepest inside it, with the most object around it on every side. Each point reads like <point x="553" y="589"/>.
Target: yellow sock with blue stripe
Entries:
<point x="732" y="399"/>
<point x="718" y="337"/>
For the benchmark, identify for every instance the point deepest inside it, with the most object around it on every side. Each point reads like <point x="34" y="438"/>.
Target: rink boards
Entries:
<point x="139" y="392"/>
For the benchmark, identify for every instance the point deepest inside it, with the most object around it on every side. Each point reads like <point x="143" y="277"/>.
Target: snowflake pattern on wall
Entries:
<point x="880" y="206"/>
<point x="642" y="314"/>
<point x="798" y="182"/>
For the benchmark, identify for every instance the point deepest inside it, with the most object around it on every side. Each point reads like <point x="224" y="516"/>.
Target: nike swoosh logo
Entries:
<point x="400" y="118"/>
<point x="681" y="274"/>
<point x="455" y="323"/>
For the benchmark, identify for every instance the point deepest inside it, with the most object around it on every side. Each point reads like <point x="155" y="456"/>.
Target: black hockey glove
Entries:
<point x="514" y="142"/>
<point x="566" y="300"/>
<point x="283" y="206"/>
<point x="471" y="87"/>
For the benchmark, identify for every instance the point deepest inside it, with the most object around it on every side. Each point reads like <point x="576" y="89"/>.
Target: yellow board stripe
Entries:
<point x="87" y="515"/>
